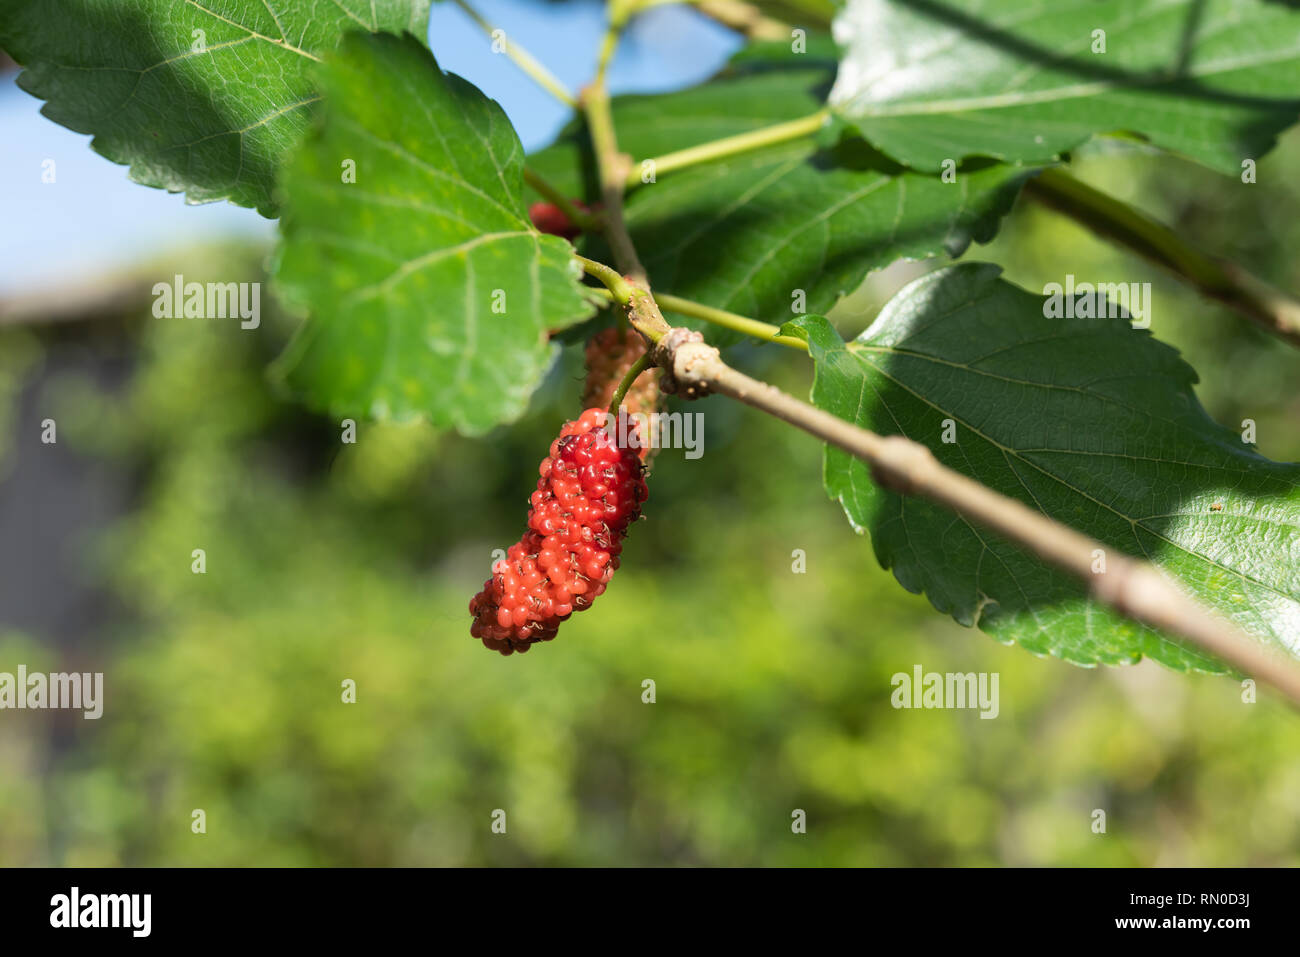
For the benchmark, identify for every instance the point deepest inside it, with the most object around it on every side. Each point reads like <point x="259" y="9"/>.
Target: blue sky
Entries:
<point x="93" y="219"/>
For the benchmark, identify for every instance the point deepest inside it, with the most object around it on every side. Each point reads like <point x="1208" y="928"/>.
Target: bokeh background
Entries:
<point x="328" y="561"/>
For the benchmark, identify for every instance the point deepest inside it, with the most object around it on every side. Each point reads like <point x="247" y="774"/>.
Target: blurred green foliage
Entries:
<point x="328" y="562"/>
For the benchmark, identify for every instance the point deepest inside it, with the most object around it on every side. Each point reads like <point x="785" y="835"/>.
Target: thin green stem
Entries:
<point x="1274" y="310"/>
<point x="719" y="317"/>
<point x="613" y="173"/>
<point x="619" y="288"/>
<point x="523" y="59"/>
<point x="584" y="220"/>
<point x="638" y="367"/>
<point x="729" y="146"/>
<point x="607" y="47"/>
<point x="634" y="286"/>
<point x="730" y="320"/>
<point x="642" y="310"/>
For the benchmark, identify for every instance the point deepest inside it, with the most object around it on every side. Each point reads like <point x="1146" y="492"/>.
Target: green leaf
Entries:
<point x="196" y="96"/>
<point x="928" y="80"/>
<point x="818" y="48"/>
<point x="752" y="232"/>
<point x="1091" y="422"/>
<point x="430" y="292"/>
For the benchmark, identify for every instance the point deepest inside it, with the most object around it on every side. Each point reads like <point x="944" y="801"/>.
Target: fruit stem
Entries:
<point x="585" y="221"/>
<point x="638" y="367"/>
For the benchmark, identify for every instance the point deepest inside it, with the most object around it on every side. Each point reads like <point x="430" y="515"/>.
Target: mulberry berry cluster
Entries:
<point x="611" y="353"/>
<point x="589" y="492"/>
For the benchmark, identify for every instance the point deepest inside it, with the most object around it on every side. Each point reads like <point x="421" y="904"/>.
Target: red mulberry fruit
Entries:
<point x="589" y="492"/>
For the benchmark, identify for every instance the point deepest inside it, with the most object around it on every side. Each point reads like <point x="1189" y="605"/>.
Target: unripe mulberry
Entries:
<point x="611" y="353"/>
<point x="589" y="492"/>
